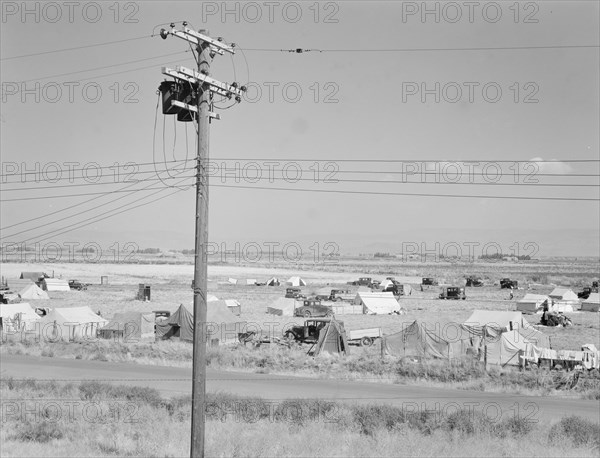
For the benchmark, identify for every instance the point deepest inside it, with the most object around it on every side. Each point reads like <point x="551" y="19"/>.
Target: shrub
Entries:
<point x="39" y="432"/>
<point x="576" y="429"/>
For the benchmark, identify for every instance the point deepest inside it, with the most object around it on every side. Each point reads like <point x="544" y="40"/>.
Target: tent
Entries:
<point x="130" y="327"/>
<point x="417" y="340"/>
<point x="483" y="322"/>
<point x="17" y="317"/>
<point x="233" y="281"/>
<point x="282" y="306"/>
<point x="385" y="284"/>
<point x="55" y="284"/>
<point x="532" y="303"/>
<point x="75" y="323"/>
<point x="211" y="297"/>
<point x="592" y="303"/>
<point x="221" y="325"/>
<point x="33" y="292"/>
<point x="273" y="281"/>
<point x="33" y="276"/>
<point x="563" y="294"/>
<point x="296" y="281"/>
<point x="251" y="281"/>
<point x="232" y="305"/>
<point x="377" y="303"/>
<point x="505" y="349"/>
<point x="332" y="339"/>
<point x="19" y="284"/>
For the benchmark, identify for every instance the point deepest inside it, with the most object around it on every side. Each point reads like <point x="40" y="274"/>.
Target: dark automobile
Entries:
<point x="428" y="281"/>
<point x="474" y="281"/>
<point x="311" y="308"/>
<point x="309" y="332"/>
<point x="293" y="293"/>
<point x="453" y="292"/>
<point x="508" y="283"/>
<point x="76" y="284"/>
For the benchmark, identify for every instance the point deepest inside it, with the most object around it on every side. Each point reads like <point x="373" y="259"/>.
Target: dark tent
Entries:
<point x="332" y="339"/>
<point x="417" y="340"/>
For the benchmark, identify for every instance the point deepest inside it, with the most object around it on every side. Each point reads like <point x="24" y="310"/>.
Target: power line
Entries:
<point x="482" y="48"/>
<point x="408" y="160"/>
<point x="408" y="194"/>
<point x="77" y="47"/>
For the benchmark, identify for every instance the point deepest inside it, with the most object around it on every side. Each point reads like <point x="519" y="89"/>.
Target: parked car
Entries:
<point x="308" y="332"/>
<point x="428" y="281"/>
<point x="76" y="284"/>
<point x="310" y="308"/>
<point x="453" y="292"/>
<point x="293" y="293"/>
<point x="342" y="295"/>
<point x="474" y="281"/>
<point x="508" y="283"/>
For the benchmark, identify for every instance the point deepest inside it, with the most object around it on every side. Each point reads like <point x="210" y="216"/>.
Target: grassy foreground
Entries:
<point x="108" y="420"/>
<point x="362" y="364"/>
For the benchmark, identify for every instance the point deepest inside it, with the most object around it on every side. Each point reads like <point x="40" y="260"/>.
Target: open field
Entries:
<point x="109" y="420"/>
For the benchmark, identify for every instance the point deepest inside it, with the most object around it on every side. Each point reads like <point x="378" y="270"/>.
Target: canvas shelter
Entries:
<point x="282" y="306"/>
<point x="73" y="323"/>
<point x="296" y="281"/>
<point x="19" y="284"/>
<point x="251" y="281"/>
<point x="233" y="281"/>
<point x="592" y="303"/>
<point x="55" y="284"/>
<point x="232" y="305"/>
<point x="416" y="340"/>
<point x="386" y="284"/>
<point x="505" y="349"/>
<point x="33" y="292"/>
<point x="222" y="325"/>
<point x="563" y="295"/>
<point x="130" y="327"/>
<point x="17" y="317"/>
<point x="532" y="303"/>
<point x="332" y="339"/>
<point x="273" y="281"/>
<point x="492" y="322"/>
<point x="33" y="276"/>
<point x="211" y="297"/>
<point x="377" y="303"/>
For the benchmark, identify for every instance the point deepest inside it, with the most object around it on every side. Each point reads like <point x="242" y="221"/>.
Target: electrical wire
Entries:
<point x="338" y="191"/>
<point x="483" y="48"/>
<point x="105" y="43"/>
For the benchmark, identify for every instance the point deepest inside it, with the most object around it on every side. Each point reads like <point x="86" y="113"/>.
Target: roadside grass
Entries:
<point x="239" y="427"/>
<point x="363" y="364"/>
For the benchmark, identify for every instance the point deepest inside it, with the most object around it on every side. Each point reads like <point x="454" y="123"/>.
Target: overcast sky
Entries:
<point x="363" y="106"/>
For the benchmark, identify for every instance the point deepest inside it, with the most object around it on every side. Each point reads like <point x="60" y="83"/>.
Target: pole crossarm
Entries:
<point x="197" y="38"/>
<point x="194" y="77"/>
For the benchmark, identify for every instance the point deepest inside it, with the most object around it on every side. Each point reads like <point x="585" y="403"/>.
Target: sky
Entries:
<point x="381" y="92"/>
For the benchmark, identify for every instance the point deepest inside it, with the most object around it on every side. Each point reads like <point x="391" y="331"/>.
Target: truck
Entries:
<point x="428" y="281"/>
<point x="365" y="281"/>
<point x="472" y="280"/>
<point x="453" y="292"/>
<point x="77" y="285"/>
<point x="313" y="307"/>
<point x="364" y="337"/>
<point x="293" y="293"/>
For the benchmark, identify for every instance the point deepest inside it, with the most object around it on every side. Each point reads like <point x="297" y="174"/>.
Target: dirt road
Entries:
<point x="172" y="381"/>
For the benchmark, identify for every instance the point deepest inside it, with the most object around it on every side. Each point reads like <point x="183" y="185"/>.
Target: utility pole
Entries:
<point x="173" y="102"/>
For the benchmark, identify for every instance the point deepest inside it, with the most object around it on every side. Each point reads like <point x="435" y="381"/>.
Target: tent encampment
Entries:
<point x="273" y="281"/>
<point x="74" y="323"/>
<point x="378" y="303"/>
<point x="129" y="327"/>
<point x="296" y="281"/>
<point x="55" y="284"/>
<point x="592" y="303"/>
<point x="33" y="292"/>
<point x="222" y="326"/>
<point x="532" y="303"/>
<point x="17" y="317"/>
<point x="332" y="339"/>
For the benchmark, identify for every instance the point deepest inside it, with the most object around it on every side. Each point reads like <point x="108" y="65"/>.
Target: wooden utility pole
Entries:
<point x="205" y="86"/>
<point x="200" y="259"/>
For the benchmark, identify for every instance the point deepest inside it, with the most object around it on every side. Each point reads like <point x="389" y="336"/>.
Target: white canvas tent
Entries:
<point x="251" y="281"/>
<point x="563" y="294"/>
<point x="74" y="323"/>
<point x="380" y="303"/>
<point x="273" y="281"/>
<point x="55" y="284"/>
<point x="532" y="303"/>
<point x="386" y="284"/>
<point x="233" y="281"/>
<point x="592" y="303"/>
<point x="211" y="297"/>
<point x="296" y="281"/>
<point x="282" y="306"/>
<point x="33" y="292"/>
<point x="17" y="317"/>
